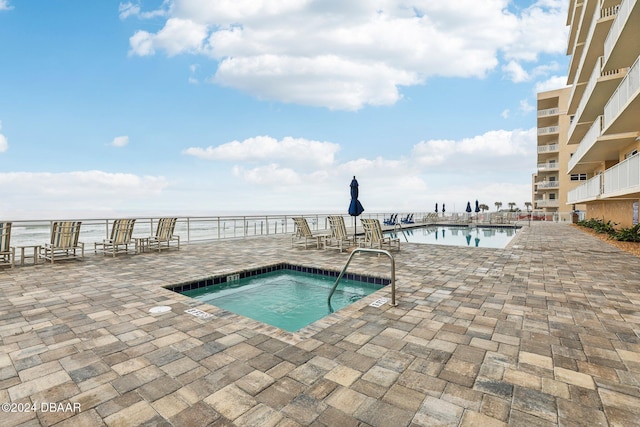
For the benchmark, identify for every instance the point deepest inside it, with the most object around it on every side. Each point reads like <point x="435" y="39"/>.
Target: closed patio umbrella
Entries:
<point x="468" y="207"/>
<point x="436" y="208"/>
<point x="355" y="207"/>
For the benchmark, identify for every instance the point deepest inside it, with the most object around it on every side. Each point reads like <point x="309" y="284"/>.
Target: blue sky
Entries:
<point x="203" y="107"/>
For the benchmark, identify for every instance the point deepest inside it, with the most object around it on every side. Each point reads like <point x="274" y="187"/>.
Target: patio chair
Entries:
<point x="408" y="219"/>
<point x="64" y="242"/>
<point x="303" y="234"/>
<point x="120" y="240"/>
<point x="7" y="253"/>
<point x="392" y="220"/>
<point x="164" y="235"/>
<point x="375" y="238"/>
<point x="339" y="238"/>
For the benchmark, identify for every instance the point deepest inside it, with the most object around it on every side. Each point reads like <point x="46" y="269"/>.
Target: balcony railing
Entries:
<point x="627" y="90"/>
<point x="550" y="148"/>
<point x="548" y="112"/>
<point x="588" y="191"/>
<point x="623" y="177"/>
<point x="547" y="203"/>
<point x="547" y="184"/>
<point x="548" y="166"/>
<point x="587" y="142"/>
<point x="548" y="130"/>
<point x="623" y="10"/>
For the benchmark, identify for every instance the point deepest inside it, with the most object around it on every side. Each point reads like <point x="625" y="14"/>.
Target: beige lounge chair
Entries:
<point x="303" y="234"/>
<point x="7" y="253"/>
<point x="120" y="240"/>
<point x="339" y="238"/>
<point x="374" y="238"/>
<point x="64" y="242"/>
<point x="164" y="235"/>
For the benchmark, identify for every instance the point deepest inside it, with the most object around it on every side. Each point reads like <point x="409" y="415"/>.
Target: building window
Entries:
<point x="578" y="177"/>
<point x="552" y="196"/>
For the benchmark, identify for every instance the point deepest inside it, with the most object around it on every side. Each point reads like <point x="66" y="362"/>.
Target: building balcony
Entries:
<point x="548" y="112"/>
<point x="618" y="181"/>
<point x="546" y="203"/>
<point x="623" y="109"/>
<point x="547" y="185"/>
<point x="588" y="191"/>
<point x="621" y="43"/>
<point x="549" y="148"/>
<point x="548" y="166"/>
<point x="548" y="130"/>
<point x="595" y="94"/>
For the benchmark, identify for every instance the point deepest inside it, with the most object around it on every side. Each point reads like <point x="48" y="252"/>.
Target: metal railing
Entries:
<point x="377" y="251"/>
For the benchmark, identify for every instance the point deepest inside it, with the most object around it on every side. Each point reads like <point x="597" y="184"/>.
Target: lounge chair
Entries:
<point x="7" y="253"/>
<point x="408" y="219"/>
<point x="64" y="242"/>
<point x="374" y="238"/>
<point x="120" y="239"/>
<point x="339" y="238"/>
<point x="392" y="220"/>
<point x="164" y="235"/>
<point x="304" y="236"/>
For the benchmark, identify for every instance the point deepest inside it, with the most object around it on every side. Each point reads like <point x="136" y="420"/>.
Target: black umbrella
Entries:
<point x="355" y="207"/>
<point x="477" y="207"/>
<point x="468" y="207"/>
<point x="436" y="208"/>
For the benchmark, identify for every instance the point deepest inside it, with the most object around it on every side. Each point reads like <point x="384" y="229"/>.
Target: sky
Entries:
<point x="209" y="107"/>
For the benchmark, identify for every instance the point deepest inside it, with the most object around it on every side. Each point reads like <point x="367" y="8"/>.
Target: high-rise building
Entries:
<point x="604" y="107"/>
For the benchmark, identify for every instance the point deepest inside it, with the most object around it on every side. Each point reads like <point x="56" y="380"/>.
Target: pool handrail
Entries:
<point x="378" y="251"/>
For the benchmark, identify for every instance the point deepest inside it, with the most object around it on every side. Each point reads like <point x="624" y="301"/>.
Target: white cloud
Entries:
<point x="345" y="55"/>
<point x="555" y="82"/>
<point x="289" y="150"/>
<point x="515" y="72"/>
<point x="4" y="5"/>
<point x="493" y="151"/>
<point x="120" y="141"/>
<point x="130" y="9"/>
<point x="78" y="191"/>
<point x="505" y="114"/>
<point x="525" y="107"/>
<point x="4" y="144"/>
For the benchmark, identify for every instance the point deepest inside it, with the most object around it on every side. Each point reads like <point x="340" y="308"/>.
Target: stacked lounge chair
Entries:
<point x="7" y="253"/>
<point x="120" y="239"/>
<point x="64" y="242"/>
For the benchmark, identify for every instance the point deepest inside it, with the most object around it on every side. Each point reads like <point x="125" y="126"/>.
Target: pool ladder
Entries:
<point x="378" y="251"/>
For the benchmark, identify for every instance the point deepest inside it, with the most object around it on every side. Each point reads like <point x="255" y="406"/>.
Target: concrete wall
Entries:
<point x="618" y="211"/>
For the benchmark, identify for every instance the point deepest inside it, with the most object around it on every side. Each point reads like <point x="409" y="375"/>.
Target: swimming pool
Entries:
<point x="288" y="297"/>
<point x="486" y="237"/>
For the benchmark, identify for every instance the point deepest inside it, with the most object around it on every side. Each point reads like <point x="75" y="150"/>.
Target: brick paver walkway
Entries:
<point x="543" y="333"/>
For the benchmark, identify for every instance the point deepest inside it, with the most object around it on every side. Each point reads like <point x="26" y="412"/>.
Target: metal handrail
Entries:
<point x="378" y="251"/>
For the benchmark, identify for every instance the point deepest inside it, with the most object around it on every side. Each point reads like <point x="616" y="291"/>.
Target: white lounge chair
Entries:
<point x="64" y="242"/>
<point x="303" y="234"/>
<point x="120" y="239"/>
<point x="7" y="253"/>
<point x="339" y="238"/>
<point x="164" y="235"/>
<point x="374" y="237"/>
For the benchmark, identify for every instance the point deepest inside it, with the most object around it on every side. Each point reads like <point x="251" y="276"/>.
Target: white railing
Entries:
<point x="550" y="148"/>
<point x="548" y="203"/>
<point x="627" y="90"/>
<point x="548" y="166"/>
<point x="548" y="184"/>
<point x="549" y="129"/>
<point x="623" y="176"/>
<point x="589" y="190"/>
<point x="587" y="142"/>
<point x="548" y="112"/>
<point x="623" y="10"/>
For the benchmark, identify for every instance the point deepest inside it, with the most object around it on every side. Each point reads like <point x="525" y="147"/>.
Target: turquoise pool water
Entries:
<point x="485" y="237"/>
<point x="287" y="299"/>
